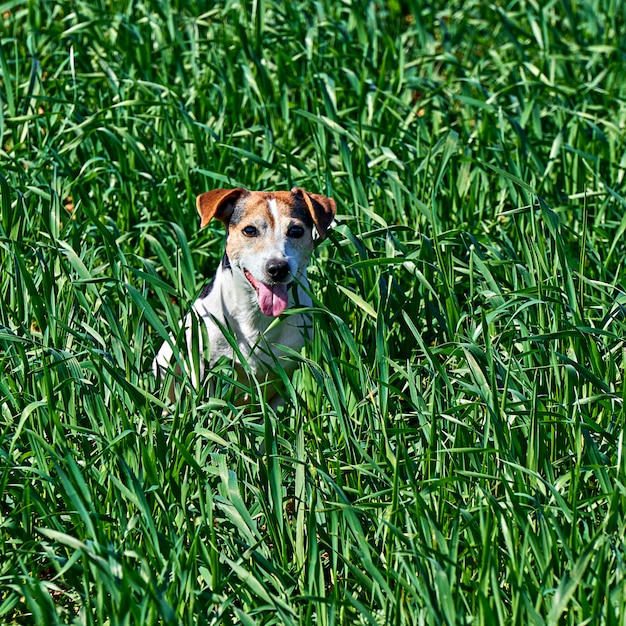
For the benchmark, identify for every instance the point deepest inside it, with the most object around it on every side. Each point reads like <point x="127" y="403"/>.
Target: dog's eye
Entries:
<point x="296" y="232"/>
<point x="250" y="231"/>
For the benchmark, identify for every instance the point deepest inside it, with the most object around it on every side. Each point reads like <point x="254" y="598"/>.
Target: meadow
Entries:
<point x="451" y="449"/>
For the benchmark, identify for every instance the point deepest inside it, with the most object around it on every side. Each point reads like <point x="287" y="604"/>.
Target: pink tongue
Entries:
<point x="272" y="300"/>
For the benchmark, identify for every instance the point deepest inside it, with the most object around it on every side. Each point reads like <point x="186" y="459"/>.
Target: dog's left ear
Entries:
<point x="218" y="203"/>
<point x="321" y="208"/>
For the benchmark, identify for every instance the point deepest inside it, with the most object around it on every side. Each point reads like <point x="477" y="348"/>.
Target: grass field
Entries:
<point x="452" y="447"/>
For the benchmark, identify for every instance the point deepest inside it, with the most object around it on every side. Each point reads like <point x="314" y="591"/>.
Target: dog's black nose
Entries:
<point x="277" y="269"/>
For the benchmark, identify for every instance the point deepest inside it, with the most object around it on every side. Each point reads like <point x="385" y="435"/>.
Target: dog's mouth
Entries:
<point x="272" y="298"/>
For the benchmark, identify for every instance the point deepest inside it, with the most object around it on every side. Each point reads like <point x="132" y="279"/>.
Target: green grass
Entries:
<point x="452" y="447"/>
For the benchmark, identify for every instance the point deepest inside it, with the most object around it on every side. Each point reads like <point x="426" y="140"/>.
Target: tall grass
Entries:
<point x="451" y="450"/>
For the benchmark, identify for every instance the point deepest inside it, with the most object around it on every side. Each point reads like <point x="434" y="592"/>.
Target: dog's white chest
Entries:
<point x="259" y="338"/>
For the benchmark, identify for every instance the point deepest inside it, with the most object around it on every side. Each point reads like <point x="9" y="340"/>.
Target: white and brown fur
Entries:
<point x="270" y="237"/>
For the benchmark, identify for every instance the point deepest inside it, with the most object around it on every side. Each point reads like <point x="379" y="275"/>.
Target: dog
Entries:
<point x="270" y="237"/>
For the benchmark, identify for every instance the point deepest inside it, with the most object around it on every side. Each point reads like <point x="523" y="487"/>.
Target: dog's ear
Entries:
<point x="218" y="203"/>
<point x="321" y="208"/>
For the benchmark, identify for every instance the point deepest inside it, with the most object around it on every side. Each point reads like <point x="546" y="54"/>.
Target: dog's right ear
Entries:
<point x="218" y="203"/>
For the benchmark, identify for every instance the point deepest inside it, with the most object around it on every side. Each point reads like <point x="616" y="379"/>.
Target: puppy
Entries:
<point x="270" y="237"/>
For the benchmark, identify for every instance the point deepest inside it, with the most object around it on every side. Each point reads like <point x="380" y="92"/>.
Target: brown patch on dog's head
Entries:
<point x="267" y="223"/>
<point x="225" y="205"/>
<point x="322" y="209"/>
<point x="255" y="208"/>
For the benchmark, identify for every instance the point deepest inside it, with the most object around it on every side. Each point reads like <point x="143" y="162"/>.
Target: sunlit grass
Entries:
<point x="451" y="449"/>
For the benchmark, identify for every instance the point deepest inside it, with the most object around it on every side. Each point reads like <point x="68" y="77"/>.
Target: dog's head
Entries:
<point x="270" y="236"/>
